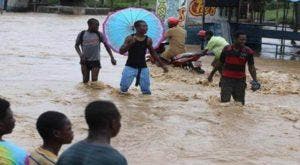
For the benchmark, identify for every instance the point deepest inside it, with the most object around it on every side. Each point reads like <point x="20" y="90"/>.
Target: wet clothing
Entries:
<point x="137" y="54"/>
<point x="10" y="154"/>
<point x="90" y="44"/>
<point x="84" y="153"/>
<point x="41" y="156"/>
<point x="176" y="36"/>
<point x="234" y="61"/>
<point x="233" y="80"/>
<point x="91" y="64"/>
<point x="128" y="76"/>
<point x="136" y="67"/>
<point x="216" y="45"/>
<point x="233" y="87"/>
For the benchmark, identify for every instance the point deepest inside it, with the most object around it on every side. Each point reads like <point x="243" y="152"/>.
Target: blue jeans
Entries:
<point x="128" y="76"/>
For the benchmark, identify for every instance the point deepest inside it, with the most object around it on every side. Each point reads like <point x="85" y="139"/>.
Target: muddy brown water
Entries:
<point x="181" y="123"/>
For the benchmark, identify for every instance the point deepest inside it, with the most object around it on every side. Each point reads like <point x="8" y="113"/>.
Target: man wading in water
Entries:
<point x="233" y="60"/>
<point x="90" y="40"/>
<point x="136" y="45"/>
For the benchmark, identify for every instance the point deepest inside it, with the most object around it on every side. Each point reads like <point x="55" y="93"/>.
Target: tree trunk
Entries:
<point x="111" y="4"/>
<point x="262" y="12"/>
<point x="297" y="13"/>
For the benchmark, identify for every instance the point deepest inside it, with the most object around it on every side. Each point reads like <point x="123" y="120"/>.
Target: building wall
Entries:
<point x="213" y="21"/>
<point x="168" y="8"/>
<point x="17" y="5"/>
<point x="190" y="12"/>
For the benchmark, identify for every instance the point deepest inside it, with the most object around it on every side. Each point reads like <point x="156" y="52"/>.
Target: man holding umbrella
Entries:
<point x="136" y="45"/>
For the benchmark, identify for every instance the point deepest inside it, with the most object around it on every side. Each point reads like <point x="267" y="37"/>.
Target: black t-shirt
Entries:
<point x="137" y="54"/>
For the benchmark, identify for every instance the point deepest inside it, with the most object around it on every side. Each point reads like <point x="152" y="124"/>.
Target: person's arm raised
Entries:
<point x="129" y="41"/>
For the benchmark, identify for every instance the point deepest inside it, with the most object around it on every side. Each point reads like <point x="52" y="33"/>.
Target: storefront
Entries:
<point x="192" y="14"/>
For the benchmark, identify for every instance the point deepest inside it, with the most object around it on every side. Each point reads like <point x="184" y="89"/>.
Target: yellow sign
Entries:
<point x="196" y="8"/>
<point x="161" y="9"/>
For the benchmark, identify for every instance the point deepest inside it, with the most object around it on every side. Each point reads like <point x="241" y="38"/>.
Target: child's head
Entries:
<point x="7" y="121"/>
<point x="103" y="115"/>
<point x="55" y="126"/>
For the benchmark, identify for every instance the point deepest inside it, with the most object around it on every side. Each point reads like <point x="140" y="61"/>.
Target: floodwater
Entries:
<point x="269" y="51"/>
<point x="181" y="123"/>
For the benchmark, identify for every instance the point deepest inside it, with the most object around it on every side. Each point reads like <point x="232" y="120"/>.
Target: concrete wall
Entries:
<point x="73" y="10"/>
<point x="17" y="5"/>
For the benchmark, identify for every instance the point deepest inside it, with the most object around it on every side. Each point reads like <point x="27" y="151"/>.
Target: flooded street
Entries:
<point x="182" y="123"/>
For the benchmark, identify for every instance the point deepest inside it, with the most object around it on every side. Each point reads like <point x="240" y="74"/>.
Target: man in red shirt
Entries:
<point x="233" y="60"/>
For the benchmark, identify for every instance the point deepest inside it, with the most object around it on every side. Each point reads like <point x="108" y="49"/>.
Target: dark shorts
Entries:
<point x="91" y="64"/>
<point x="233" y="87"/>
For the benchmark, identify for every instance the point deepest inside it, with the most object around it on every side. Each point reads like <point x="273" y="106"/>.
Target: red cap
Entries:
<point x="173" y="21"/>
<point x="202" y="33"/>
